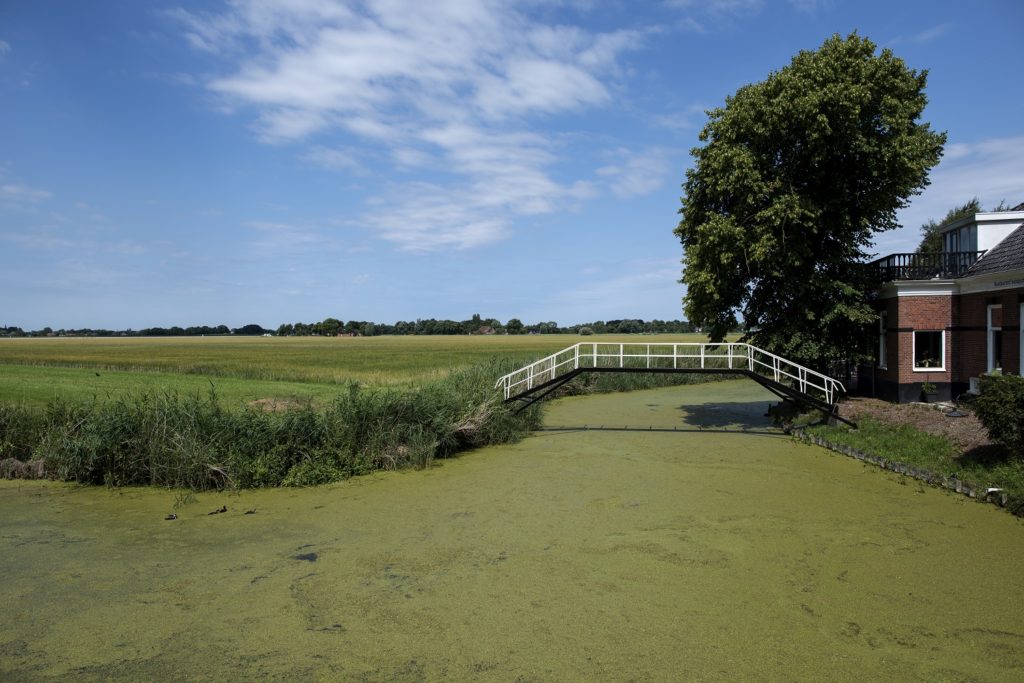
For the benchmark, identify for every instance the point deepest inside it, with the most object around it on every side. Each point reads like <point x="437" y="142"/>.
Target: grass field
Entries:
<point x="35" y="371"/>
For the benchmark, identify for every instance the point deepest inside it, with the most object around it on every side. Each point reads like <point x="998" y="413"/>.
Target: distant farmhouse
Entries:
<point x="947" y="318"/>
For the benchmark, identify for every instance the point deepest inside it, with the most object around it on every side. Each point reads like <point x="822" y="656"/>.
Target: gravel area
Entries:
<point x="966" y="433"/>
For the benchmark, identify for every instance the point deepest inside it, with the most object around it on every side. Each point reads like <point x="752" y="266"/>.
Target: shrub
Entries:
<point x="1000" y="407"/>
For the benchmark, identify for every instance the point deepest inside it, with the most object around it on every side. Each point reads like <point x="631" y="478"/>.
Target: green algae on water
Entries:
<point x="663" y="535"/>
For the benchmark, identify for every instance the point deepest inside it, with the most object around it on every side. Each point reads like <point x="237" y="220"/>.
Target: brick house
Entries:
<point x="945" y="319"/>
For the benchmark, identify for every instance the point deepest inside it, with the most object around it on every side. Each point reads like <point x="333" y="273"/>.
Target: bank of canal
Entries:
<point x="685" y="540"/>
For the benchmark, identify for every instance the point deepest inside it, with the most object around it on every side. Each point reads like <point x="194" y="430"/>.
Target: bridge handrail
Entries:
<point x="587" y="355"/>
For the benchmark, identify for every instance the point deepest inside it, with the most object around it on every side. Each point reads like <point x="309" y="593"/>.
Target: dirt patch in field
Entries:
<point x="277" y="405"/>
<point x="965" y="433"/>
<point x="12" y="468"/>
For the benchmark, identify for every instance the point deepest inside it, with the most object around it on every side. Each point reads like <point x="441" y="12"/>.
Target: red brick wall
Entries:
<point x="971" y="353"/>
<point x="963" y="319"/>
<point x="972" y="334"/>
<point x="922" y="313"/>
<point x="1011" y="330"/>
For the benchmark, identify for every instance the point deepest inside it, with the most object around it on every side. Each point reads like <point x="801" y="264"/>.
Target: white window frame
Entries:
<point x="883" y="346"/>
<point x="942" y="352"/>
<point x="990" y="364"/>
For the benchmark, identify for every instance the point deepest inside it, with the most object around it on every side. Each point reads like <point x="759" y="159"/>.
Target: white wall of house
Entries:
<point x="993" y="228"/>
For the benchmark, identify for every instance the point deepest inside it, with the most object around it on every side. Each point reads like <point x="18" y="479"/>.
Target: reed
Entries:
<point x="164" y="435"/>
<point x="193" y="441"/>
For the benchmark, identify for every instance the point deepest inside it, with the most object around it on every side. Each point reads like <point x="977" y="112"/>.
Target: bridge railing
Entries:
<point x="670" y="356"/>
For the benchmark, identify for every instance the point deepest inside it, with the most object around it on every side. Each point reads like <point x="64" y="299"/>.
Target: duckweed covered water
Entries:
<point x="684" y="540"/>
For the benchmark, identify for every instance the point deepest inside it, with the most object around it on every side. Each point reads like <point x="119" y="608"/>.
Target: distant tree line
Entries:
<point x="332" y="327"/>
<point x="194" y="331"/>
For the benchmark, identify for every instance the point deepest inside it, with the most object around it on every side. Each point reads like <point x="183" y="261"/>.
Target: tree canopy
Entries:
<point x="797" y="174"/>
<point x="931" y="232"/>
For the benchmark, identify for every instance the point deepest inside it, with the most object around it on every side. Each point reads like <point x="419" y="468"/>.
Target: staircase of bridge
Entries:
<point x="788" y="380"/>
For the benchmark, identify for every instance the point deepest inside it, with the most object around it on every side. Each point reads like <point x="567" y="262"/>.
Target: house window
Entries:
<point x="968" y="238"/>
<point x="883" y="324"/>
<point x="949" y="242"/>
<point x="995" y="337"/>
<point x="929" y="350"/>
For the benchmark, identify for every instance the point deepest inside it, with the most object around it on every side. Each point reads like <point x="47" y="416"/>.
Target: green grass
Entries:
<point x="983" y="468"/>
<point x="38" y="386"/>
<point x="34" y="371"/>
<point x="896" y="442"/>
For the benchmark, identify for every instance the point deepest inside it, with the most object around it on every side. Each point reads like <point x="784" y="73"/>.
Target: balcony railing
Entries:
<point x="922" y="266"/>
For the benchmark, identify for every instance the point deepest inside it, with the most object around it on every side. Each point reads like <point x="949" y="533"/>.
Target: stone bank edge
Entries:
<point x="951" y="483"/>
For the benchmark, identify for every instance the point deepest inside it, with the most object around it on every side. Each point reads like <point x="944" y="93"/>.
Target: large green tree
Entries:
<point x="797" y="174"/>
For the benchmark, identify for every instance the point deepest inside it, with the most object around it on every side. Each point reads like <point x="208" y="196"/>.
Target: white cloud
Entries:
<point x="808" y="6"/>
<point x="638" y="173"/>
<point x="718" y="7"/>
<point x="410" y="157"/>
<point x="991" y="170"/>
<point x="647" y="289"/>
<point x="12" y="192"/>
<point x="332" y="158"/>
<point x="35" y="241"/>
<point x="278" y="238"/>
<point x="933" y="33"/>
<point x="434" y="217"/>
<point x="5" y="48"/>
<point x="538" y="86"/>
<point x="448" y="85"/>
<point x="286" y="124"/>
<point x="691" y="117"/>
<point x="129" y="248"/>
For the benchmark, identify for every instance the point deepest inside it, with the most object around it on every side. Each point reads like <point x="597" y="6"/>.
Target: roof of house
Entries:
<point x="1007" y="255"/>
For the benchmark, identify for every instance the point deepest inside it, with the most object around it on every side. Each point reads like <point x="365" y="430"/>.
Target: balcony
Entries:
<point x="946" y="265"/>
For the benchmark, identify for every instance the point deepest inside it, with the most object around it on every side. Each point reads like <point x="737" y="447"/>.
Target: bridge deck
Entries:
<point x="785" y="378"/>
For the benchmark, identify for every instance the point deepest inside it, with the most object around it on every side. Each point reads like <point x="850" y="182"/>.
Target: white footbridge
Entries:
<point x="788" y="380"/>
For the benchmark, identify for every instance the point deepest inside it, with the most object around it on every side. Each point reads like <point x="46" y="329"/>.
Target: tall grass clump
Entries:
<point x="20" y="427"/>
<point x="194" y="441"/>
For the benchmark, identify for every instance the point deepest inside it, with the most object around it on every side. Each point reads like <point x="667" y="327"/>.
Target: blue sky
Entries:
<point x="270" y="161"/>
